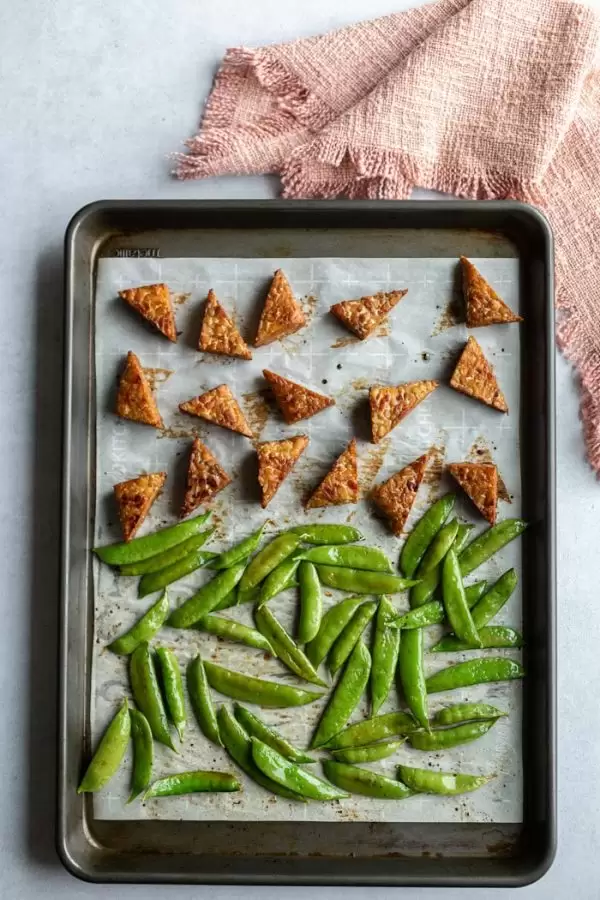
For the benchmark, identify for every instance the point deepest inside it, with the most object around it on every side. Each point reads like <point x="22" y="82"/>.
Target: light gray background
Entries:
<point x="93" y="95"/>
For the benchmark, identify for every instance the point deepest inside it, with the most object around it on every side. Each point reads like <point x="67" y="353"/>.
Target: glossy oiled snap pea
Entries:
<point x="351" y="634"/>
<point x="109" y="753"/>
<point x="143" y="752"/>
<point x="288" y="652"/>
<point x="371" y="558"/>
<point x="428" y="781"/>
<point x="363" y="781"/>
<point x="201" y="700"/>
<point x="230" y="630"/>
<point x="371" y="730"/>
<point x="423" y="533"/>
<point x="249" y="689"/>
<point x="386" y="645"/>
<point x="491" y="637"/>
<point x="278" y="580"/>
<point x="311" y="602"/>
<point x="155" y="581"/>
<point x="492" y="602"/>
<point x="332" y="624"/>
<point x="445" y="738"/>
<point x="162" y="560"/>
<point x="255" y="727"/>
<point x="368" y="753"/>
<point x="172" y="688"/>
<point x="147" y="695"/>
<point x="346" y="695"/>
<point x="207" y="598"/>
<point x="327" y="534"/>
<point x="195" y="782"/>
<point x="426" y="588"/>
<point x="240" y="552"/>
<point x="239" y="746"/>
<point x="466" y="712"/>
<point x="455" y="602"/>
<point x="292" y="776"/>
<point x="432" y="613"/>
<point x="488" y="543"/>
<point x="475" y="671"/>
<point x="358" y="581"/>
<point x="268" y="559"/>
<point x="438" y="548"/>
<point x="412" y="675"/>
<point x="144" y="629"/>
<point x="150" y="544"/>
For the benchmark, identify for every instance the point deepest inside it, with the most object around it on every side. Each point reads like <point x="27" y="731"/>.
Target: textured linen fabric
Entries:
<point x="489" y="99"/>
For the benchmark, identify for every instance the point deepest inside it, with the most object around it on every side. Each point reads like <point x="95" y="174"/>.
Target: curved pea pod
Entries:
<point x="146" y="693"/>
<point x="240" y="552"/>
<point x="143" y="752"/>
<point x="332" y="625"/>
<point x="327" y="533"/>
<point x="428" y="781"/>
<point x="412" y="675"/>
<point x="368" y="753"/>
<point x="346" y="695"/>
<point x="195" y="782"/>
<point x="155" y="581"/>
<point x="492" y="637"/>
<point x="207" y="598"/>
<point x="288" y="652"/>
<point x="267" y="559"/>
<point x="488" y="543"/>
<point x="167" y="557"/>
<point x="424" y="591"/>
<point x="230" y="630"/>
<point x="386" y="646"/>
<point x="493" y="600"/>
<point x="249" y="689"/>
<point x="109" y="753"/>
<point x="371" y="730"/>
<point x="255" y="727"/>
<point x="311" y="603"/>
<point x="466" y="712"/>
<point x="423" y="534"/>
<point x="201" y="700"/>
<point x="278" y="580"/>
<point x="351" y="634"/>
<point x="229" y="600"/>
<point x="474" y="671"/>
<point x="432" y="613"/>
<point x="151" y="544"/>
<point x="363" y="781"/>
<point x="358" y="581"/>
<point x="172" y="688"/>
<point x="437" y="550"/>
<point x="370" y="558"/>
<point x="290" y="775"/>
<point x="144" y="629"/>
<point x="455" y="602"/>
<point x="445" y="738"/>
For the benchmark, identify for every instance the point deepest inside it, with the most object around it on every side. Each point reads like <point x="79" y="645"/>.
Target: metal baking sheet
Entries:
<point x="392" y="238"/>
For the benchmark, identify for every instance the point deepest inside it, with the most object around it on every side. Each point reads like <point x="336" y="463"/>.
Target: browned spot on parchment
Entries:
<point x="450" y="317"/>
<point x="217" y="522"/>
<point x="361" y="384"/>
<point x="435" y="465"/>
<point x="179" y="299"/>
<point x="345" y="342"/>
<point x="370" y="464"/>
<point x="309" y="305"/>
<point x="479" y="452"/>
<point x="257" y="411"/>
<point x="157" y="376"/>
<point x="170" y="432"/>
<point x="384" y="329"/>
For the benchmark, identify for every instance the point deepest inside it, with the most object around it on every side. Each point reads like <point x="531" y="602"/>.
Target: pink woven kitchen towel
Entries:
<point x="480" y="98"/>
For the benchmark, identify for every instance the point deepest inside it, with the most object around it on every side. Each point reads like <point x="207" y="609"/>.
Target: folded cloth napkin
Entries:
<point x="480" y="98"/>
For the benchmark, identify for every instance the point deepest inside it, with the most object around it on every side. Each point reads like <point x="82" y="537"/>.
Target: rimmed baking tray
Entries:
<point x="311" y="853"/>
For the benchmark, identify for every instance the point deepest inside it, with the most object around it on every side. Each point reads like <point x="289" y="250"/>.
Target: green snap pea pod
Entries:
<point x="278" y="580"/>
<point x="292" y="776"/>
<point x="154" y="581"/>
<point x="423" y="533"/>
<point x="162" y="560"/>
<point x="255" y="727"/>
<point x="109" y="753"/>
<point x="412" y="675"/>
<point x="288" y="652"/>
<point x="493" y="637"/>
<point x="268" y="559"/>
<point x="229" y="630"/>
<point x="311" y="603"/>
<point x="240" y="552"/>
<point x="201" y="700"/>
<point x="475" y="592"/>
<point x="386" y="646"/>
<point x="346" y="695"/>
<point x="488" y="543"/>
<point x="428" y="781"/>
<point x="146" y="693"/>
<point x="369" y="752"/>
<point x="144" y="629"/>
<point x="371" y="730"/>
<point x="350" y="636"/>
<point x="370" y="558"/>
<point x="492" y="602"/>
<point x="229" y="600"/>
<point x="332" y="625"/>
<point x="474" y="671"/>
<point x="172" y="688"/>
<point x="249" y="689"/>
<point x="193" y="783"/>
<point x="143" y="752"/>
<point x="444" y="738"/>
<point x="433" y="612"/>
<point x="327" y="534"/>
<point x="151" y="544"/>
<point x="431" y="574"/>
<point x="250" y="596"/>
<point x="466" y="712"/>
<point x="207" y="598"/>
<point x="358" y="581"/>
<point x="455" y="602"/>
<point x="438" y="548"/>
<point x="362" y="781"/>
<point x="239" y="746"/>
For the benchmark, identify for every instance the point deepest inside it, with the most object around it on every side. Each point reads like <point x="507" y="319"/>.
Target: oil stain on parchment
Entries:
<point x="479" y="452"/>
<point x="169" y="431"/>
<point x="257" y="411"/>
<point x="435" y="465"/>
<point x="384" y="329"/>
<point x="452" y="315"/>
<point x="370" y="464"/>
<point x="309" y="305"/>
<point x="157" y="376"/>
<point x="180" y="299"/>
